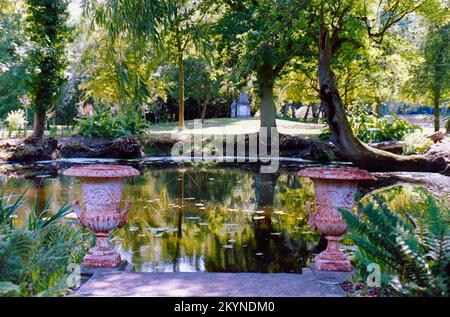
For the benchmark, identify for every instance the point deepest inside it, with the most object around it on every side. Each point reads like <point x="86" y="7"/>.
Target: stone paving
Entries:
<point x="178" y="284"/>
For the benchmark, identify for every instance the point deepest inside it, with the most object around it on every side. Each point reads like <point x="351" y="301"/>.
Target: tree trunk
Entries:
<point x="39" y="120"/>
<point x="378" y="108"/>
<point x="268" y="111"/>
<point x="305" y="118"/>
<point x="181" y="125"/>
<point x="285" y="110"/>
<point x="205" y="105"/>
<point x="342" y="135"/>
<point x="436" y="114"/>
<point x="447" y="128"/>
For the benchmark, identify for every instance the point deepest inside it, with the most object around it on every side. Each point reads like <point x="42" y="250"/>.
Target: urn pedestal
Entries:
<point x="102" y="189"/>
<point x="334" y="188"/>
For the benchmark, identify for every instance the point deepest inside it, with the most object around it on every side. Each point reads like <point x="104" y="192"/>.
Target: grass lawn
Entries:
<point x="238" y="126"/>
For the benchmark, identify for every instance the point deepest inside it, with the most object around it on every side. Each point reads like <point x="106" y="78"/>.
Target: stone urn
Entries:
<point x="333" y="188"/>
<point x="102" y="188"/>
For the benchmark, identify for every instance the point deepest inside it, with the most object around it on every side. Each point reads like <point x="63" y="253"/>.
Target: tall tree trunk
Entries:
<point x="342" y="135"/>
<point x="205" y="105"/>
<point x="307" y="112"/>
<point x="39" y="119"/>
<point x="181" y="124"/>
<point x="378" y="107"/>
<point x="268" y="111"/>
<point x="436" y="114"/>
<point x="285" y="110"/>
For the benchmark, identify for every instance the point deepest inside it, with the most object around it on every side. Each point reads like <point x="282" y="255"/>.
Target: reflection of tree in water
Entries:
<point x="225" y="238"/>
<point x="272" y="253"/>
<point x="266" y="246"/>
<point x="40" y="194"/>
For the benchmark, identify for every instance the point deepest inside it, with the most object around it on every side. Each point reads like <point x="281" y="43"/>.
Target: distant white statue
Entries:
<point x="243" y="106"/>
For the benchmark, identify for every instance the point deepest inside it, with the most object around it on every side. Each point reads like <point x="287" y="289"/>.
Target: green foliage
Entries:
<point x="371" y="128"/>
<point x="8" y="208"/>
<point x="37" y="261"/>
<point x="431" y="79"/>
<point x="40" y="217"/>
<point x="416" y="143"/>
<point x="49" y="33"/>
<point x="36" y="257"/>
<point x="105" y="123"/>
<point x="13" y="57"/>
<point x="411" y="246"/>
<point x="200" y="82"/>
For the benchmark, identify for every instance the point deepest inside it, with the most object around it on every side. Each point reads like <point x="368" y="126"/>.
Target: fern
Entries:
<point x="412" y="251"/>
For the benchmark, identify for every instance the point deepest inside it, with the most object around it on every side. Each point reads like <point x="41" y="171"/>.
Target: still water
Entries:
<point x="202" y="219"/>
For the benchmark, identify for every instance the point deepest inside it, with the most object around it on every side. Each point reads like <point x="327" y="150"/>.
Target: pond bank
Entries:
<point x="128" y="147"/>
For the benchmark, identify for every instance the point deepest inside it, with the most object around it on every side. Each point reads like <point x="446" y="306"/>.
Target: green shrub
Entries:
<point x="36" y="257"/>
<point x="8" y="208"/>
<point x="104" y="123"/>
<point x="412" y="247"/>
<point x="416" y="143"/>
<point x="370" y="128"/>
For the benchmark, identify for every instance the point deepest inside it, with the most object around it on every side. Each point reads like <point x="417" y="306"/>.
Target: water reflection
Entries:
<point x="198" y="219"/>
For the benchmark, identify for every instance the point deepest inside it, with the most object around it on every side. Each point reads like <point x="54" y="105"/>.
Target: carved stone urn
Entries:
<point x="333" y="188"/>
<point x="102" y="188"/>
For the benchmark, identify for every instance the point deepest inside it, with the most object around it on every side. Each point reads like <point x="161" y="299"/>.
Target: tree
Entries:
<point x="348" y="22"/>
<point x="114" y="72"/>
<point x="13" y="57"/>
<point x="49" y="34"/>
<point x="261" y="37"/>
<point x="432" y="79"/>
<point x="185" y="29"/>
<point x="201" y="82"/>
<point x="171" y="26"/>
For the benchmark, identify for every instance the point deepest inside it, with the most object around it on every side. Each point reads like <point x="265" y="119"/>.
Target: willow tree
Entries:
<point x="260" y="38"/>
<point x="171" y="26"/>
<point x="350" y="22"/>
<point x="49" y="35"/>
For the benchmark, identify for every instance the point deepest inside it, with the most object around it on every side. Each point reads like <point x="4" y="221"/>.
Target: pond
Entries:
<point x="202" y="219"/>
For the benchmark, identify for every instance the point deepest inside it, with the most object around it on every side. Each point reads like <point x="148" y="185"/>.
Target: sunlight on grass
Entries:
<point x="238" y="126"/>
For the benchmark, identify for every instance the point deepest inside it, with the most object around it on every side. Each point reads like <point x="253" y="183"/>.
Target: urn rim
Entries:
<point x="335" y="173"/>
<point x="102" y="171"/>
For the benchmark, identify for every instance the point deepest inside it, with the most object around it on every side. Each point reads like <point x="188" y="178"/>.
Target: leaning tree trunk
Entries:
<point x="342" y="135"/>
<point x="268" y="111"/>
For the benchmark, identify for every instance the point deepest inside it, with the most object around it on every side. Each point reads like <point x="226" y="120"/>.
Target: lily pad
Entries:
<point x="230" y="224"/>
<point x="192" y="218"/>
